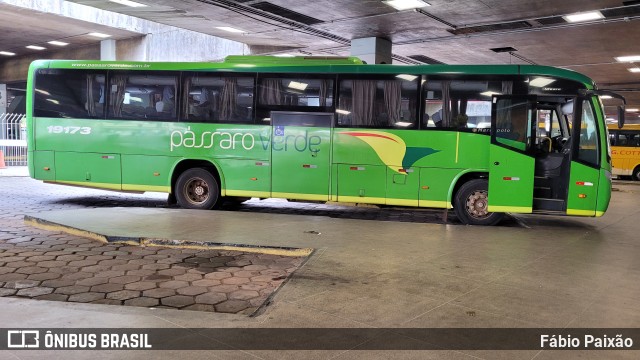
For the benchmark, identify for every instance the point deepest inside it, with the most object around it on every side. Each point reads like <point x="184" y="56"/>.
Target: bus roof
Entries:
<point x="292" y="60"/>
<point x="313" y="64"/>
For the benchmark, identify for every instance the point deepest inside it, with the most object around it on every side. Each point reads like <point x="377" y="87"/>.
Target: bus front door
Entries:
<point x="512" y="164"/>
<point x="301" y="155"/>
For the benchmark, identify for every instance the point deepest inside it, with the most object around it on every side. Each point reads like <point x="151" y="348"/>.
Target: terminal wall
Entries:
<point x="178" y="45"/>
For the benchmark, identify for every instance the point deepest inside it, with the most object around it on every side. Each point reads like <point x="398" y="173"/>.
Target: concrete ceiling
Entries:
<point x="448" y="31"/>
<point x="21" y="27"/>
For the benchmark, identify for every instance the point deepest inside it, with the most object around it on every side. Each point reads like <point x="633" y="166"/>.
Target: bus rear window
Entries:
<point x="69" y="94"/>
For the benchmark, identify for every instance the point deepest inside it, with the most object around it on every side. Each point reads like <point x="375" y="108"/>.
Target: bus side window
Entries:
<point x="384" y="102"/>
<point x="217" y="98"/>
<point x="433" y="104"/>
<point x="622" y="140"/>
<point x="460" y="104"/>
<point x="294" y="93"/>
<point x="142" y="95"/>
<point x="588" y="149"/>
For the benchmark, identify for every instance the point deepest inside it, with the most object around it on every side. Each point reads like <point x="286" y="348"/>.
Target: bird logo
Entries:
<point x="391" y="149"/>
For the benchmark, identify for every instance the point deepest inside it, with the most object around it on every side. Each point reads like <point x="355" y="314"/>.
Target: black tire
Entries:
<point x="471" y="202"/>
<point x="636" y="174"/>
<point x="197" y="189"/>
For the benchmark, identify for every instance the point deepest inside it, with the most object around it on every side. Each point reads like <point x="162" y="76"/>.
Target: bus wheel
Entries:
<point x="636" y="173"/>
<point x="197" y="189"/>
<point x="471" y="204"/>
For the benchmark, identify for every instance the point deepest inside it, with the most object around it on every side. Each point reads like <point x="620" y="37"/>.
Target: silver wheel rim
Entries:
<point x="196" y="191"/>
<point x="477" y="204"/>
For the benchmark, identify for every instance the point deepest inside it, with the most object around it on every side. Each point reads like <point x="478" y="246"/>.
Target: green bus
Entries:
<point x="481" y="139"/>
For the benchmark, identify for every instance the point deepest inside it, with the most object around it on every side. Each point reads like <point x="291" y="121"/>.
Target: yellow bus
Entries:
<point x="625" y="150"/>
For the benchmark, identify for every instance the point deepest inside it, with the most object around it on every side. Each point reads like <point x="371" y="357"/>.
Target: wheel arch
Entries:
<point x="187" y="164"/>
<point x="635" y="173"/>
<point x="462" y="178"/>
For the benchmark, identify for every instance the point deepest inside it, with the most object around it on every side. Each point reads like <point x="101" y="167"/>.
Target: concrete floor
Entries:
<point x="550" y="272"/>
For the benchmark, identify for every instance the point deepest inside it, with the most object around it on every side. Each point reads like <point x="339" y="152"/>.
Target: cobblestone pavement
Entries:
<point x="48" y="265"/>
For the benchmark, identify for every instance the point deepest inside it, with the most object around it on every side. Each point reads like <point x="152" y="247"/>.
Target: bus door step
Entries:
<point x="543" y="192"/>
<point x="549" y="204"/>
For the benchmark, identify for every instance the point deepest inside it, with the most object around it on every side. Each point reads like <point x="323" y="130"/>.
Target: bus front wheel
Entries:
<point x="197" y="189"/>
<point x="636" y="174"/>
<point x="471" y="204"/>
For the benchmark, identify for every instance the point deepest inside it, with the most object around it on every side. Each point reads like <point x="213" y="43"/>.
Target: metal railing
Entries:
<point x="13" y="139"/>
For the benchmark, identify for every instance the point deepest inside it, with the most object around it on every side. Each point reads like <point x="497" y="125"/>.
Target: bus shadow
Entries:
<point x="395" y="214"/>
<point x="278" y="206"/>
<point x="106" y="202"/>
<point x="536" y="221"/>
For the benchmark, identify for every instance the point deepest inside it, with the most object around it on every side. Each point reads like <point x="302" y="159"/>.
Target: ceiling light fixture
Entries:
<point x="58" y="43"/>
<point x="490" y="93"/>
<point x="7" y="53"/>
<point x="583" y="16"/>
<point x="99" y="35"/>
<point x="630" y="58"/>
<point x="129" y="3"/>
<point x="635" y="70"/>
<point x="230" y="29"/>
<point x="406" y="4"/>
<point x="632" y="110"/>
<point x="35" y="47"/>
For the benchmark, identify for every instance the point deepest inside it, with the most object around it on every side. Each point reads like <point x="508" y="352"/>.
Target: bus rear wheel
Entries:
<point x="636" y="174"/>
<point x="471" y="204"/>
<point x="197" y="189"/>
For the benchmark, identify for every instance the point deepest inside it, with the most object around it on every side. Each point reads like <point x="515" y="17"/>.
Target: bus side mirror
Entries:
<point x="620" y="117"/>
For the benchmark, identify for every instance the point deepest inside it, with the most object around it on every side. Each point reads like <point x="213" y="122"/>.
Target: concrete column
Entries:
<point x="372" y="50"/>
<point x="108" y="50"/>
<point x="3" y="100"/>
<point x="135" y="49"/>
